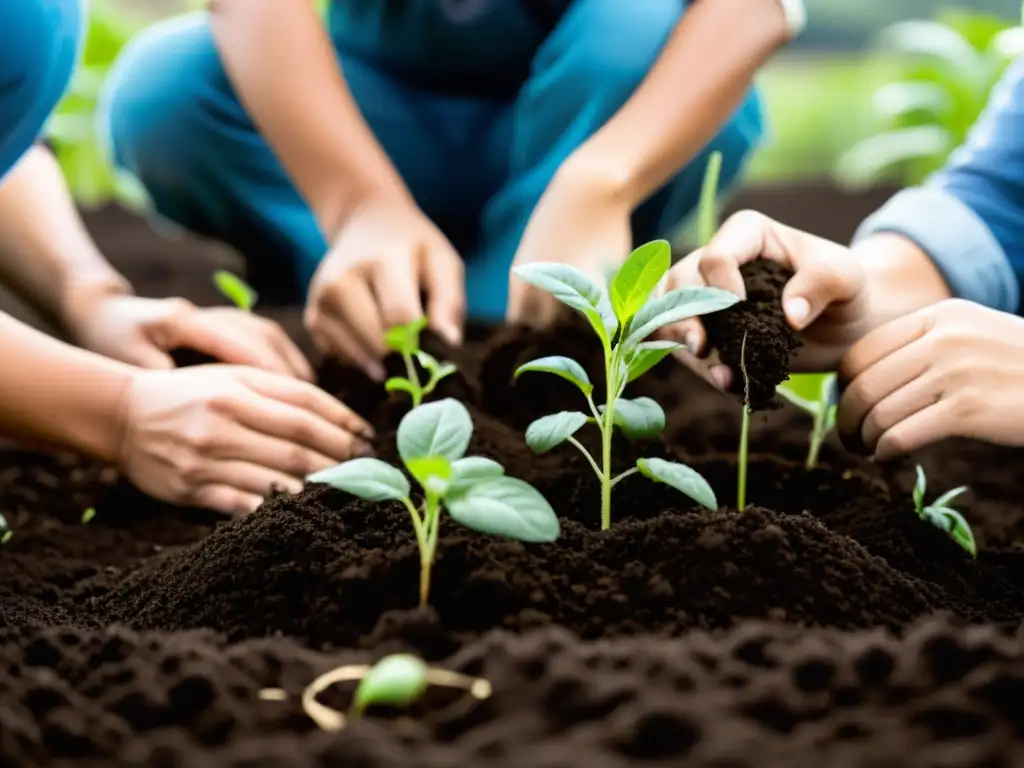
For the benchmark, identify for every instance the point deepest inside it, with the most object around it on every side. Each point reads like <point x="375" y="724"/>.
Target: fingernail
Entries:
<point x="375" y="371"/>
<point x="693" y="342"/>
<point x="366" y="432"/>
<point x="452" y="334"/>
<point x="797" y="310"/>
<point x="363" y="449"/>
<point x="722" y="376"/>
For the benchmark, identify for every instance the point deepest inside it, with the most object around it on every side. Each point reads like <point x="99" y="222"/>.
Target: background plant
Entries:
<point x="432" y="442"/>
<point x="943" y="516"/>
<point x="6" y="534"/>
<point x="814" y="393"/>
<point x="235" y="290"/>
<point x="945" y="71"/>
<point x="405" y="340"/>
<point x="623" y="316"/>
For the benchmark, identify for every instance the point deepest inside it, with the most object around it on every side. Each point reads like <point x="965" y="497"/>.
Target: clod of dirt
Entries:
<point x="770" y="340"/>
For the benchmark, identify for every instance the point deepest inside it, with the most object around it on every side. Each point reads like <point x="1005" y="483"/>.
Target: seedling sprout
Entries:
<point x="396" y="681"/>
<point x="6" y="534"/>
<point x="814" y="393"/>
<point x="432" y="442"/>
<point x="235" y="290"/>
<point x="744" y="452"/>
<point x="943" y="516"/>
<point x="622" y="315"/>
<point x="405" y="340"/>
<point x="88" y="515"/>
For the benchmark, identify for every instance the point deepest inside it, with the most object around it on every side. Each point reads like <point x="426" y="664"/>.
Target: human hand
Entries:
<point x="143" y="332"/>
<point x="826" y="300"/>
<point x="223" y="437"/>
<point x="575" y="223"/>
<point x="954" y="369"/>
<point x="386" y="255"/>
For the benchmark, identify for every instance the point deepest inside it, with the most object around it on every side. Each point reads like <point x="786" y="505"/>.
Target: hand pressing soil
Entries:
<point x="770" y="340"/>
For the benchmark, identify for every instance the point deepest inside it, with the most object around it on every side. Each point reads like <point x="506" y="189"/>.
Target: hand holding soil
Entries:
<point x="223" y="437"/>
<point x="825" y="300"/>
<point x="144" y="332"/>
<point x="386" y="256"/>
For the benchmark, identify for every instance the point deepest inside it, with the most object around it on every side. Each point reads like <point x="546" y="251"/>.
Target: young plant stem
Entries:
<point x="817" y="436"/>
<point x="426" y="527"/>
<point x="414" y="378"/>
<point x="741" y="480"/>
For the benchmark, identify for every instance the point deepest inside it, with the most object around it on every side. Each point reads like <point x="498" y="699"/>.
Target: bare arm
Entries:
<point x="46" y="256"/>
<point x="281" y="61"/>
<point x="902" y="277"/>
<point x="56" y="395"/>
<point x="701" y="77"/>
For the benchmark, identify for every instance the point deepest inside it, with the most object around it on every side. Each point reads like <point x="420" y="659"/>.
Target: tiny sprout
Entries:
<point x="623" y="316"/>
<point x="943" y="516"/>
<point x="88" y="515"/>
<point x="814" y="393"/>
<point x="744" y="451"/>
<point x="6" y="534"/>
<point x="398" y="681"/>
<point x="235" y="290"/>
<point x="432" y="442"/>
<point x="405" y="340"/>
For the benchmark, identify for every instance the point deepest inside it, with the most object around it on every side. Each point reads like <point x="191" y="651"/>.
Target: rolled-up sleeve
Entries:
<point x="969" y="216"/>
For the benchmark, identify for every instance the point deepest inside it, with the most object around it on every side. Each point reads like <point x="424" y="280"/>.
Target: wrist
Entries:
<point x="79" y="297"/>
<point x="593" y="175"/>
<point x="334" y="210"/>
<point x="901" y="278"/>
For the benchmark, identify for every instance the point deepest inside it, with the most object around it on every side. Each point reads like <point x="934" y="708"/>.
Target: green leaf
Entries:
<point x="894" y="101"/>
<point x="953" y="523"/>
<point x="640" y="417"/>
<point x="405" y="339"/>
<point x="88" y="515"/>
<point x="575" y="289"/>
<point x="947" y="498"/>
<point x="808" y="391"/>
<point x="427" y="360"/>
<point x="565" y="367"/>
<point x="443" y="371"/>
<point x="877" y="157"/>
<point x="648" y="354"/>
<point x="395" y="681"/>
<point x="443" y="428"/>
<point x="505" y="506"/>
<point x="235" y="289"/>
<point x="365" y="478"/>
<point x="548" y="431"/>
<point x="677" y="305"/>
<point x="6" y="536"/>
<point x="638" y="276"/>
<point x="920" y="486"/>
<point x="680" y="477"/>
<point x="432" y="472"/>
<point x="473" y="469"/>
<point x="707" y="213"/>
<point x="398" y="384"/>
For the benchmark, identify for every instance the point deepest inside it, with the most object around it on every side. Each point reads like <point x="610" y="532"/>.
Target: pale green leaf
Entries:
<point x="366" y="478"/>
<point x="638" y="276"/>
<point x="681" y="477"/>
<point x="505" y="506"/>
<point x="473" y="469"/>
<point x="575" y="289"/>
<point x="395" y="681"/>
<point x="443" y="428"/>
<point x="565" y="367"/>
<point x="677" y="305"/>
<point x="920" y="487"/>
<point x="953" y="523"/>
<point x="648" y="354"/>
<point x="548" y="431"/>
<point x="947" y="498"/>
<point x="640" y="417"/>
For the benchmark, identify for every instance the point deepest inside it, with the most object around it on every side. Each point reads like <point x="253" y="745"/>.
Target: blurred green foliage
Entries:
<point x="945" y="71"/>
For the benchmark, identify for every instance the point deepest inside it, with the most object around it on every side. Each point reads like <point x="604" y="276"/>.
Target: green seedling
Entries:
<point x="6" y="534"/>
<point x="814" y="393"/>
<point x="405" y="340"/>
<point x="943" y="516"/>
<point x="394" y="681"/>
<point x="623" y="316"/>
<point x="88" y="515"/>
<point x="235" y="290"/>
<point x="744" y="452"/>
<point x="707" y="212"/>
<point x="432" y="442"/>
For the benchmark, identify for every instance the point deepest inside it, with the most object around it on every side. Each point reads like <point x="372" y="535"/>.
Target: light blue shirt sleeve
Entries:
<point x="969" y="216"/>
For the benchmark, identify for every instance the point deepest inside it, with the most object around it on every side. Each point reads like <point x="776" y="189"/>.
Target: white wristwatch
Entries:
<point x="796" y="16"/>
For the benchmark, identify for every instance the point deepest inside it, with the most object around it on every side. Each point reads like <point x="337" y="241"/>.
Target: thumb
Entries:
<point x="815" y="286"/>
<point x="445" y="283"/>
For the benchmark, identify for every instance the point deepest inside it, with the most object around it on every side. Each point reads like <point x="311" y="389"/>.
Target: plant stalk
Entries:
<point x="741" y="480"/>
<point x="414" y="379"/>
<point x="817" y="438"/>
<point x="606" y="466"/>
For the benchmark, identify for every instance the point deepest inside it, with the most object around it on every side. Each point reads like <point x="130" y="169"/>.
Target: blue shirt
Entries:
<point x="39" y="42"/>
<point x="969" y="217"/>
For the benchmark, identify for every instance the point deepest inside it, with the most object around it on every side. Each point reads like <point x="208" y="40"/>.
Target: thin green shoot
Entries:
<point x="744" y="452"/>
<point x="623" y="316"/>
<point x="405" y="340"/>
<point x="814" y="393"/>
<point x="6" y="534"/>
<point x="235" y="290"/>
<point x="707" y="213"/>
<point x="940" y="514"/>
<point x="88" y="515"/>
<point x="432" y="442"/>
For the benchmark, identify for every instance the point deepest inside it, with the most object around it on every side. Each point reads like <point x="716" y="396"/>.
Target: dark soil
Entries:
<point x="825" y="625"/>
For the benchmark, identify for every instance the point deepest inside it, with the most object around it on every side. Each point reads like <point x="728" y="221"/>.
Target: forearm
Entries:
<point x="54" y="394"/>
<point x="700" y="79"/>
<point x="46" y="255"/>
<point x="281" y="62"/>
